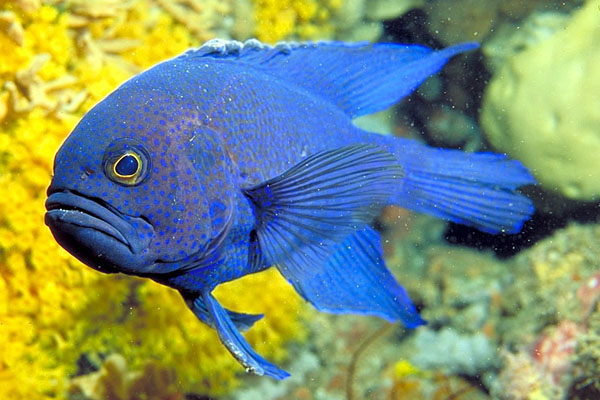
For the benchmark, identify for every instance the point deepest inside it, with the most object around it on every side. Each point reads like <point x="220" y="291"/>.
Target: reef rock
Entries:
<point x="378" y="10"/>
<point x="542" y="107"/>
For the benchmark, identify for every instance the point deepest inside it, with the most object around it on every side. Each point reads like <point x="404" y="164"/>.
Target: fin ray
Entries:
<point x="235" y="343"/>
<point x="360" y="78"/>
<point x="242" y="321"/>
<point x="478" y="189"/>
<point x="344" y="188"/>
<point x="350" y="277"/>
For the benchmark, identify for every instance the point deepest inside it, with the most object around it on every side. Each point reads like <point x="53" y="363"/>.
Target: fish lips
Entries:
<point x="96" y="233"/>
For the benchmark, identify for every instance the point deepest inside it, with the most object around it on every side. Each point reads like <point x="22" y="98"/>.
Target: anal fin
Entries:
<point x="352" y="278"/>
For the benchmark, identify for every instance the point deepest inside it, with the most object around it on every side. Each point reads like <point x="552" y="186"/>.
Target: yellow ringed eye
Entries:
<point x="126" y="162"/>
<point x="127" y="167"/>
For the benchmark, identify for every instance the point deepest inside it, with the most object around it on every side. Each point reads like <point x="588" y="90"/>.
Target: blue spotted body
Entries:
<point x="235" y="157"/>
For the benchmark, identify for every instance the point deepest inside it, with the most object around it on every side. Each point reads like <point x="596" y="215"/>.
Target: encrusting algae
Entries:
<point x="58" y="59"/>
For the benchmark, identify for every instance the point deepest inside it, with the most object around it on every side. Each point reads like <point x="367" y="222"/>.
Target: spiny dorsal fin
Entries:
<point x="360" y="78"/>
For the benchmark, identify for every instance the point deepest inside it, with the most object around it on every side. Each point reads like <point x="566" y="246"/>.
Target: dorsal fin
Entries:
<point x="360" y="78"/>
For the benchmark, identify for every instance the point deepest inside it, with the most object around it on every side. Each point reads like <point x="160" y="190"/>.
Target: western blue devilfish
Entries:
<point x="232" y="158"/>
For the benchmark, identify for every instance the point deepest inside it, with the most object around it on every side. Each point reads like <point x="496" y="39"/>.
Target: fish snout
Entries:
<point x="96" y="233"/>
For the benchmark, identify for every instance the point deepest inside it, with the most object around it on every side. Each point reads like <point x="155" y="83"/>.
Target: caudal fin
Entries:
<point x="478" y="190"/>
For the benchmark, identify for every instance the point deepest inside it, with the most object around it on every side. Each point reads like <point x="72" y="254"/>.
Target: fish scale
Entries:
<point x="243" y="156"/>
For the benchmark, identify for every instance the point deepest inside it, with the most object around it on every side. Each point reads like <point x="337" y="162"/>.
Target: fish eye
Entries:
<point x="126" y="164"/>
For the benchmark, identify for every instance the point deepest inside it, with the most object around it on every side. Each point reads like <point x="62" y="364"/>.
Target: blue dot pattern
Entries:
<point x="207" y="129"/>
<point x="210" y="128"/>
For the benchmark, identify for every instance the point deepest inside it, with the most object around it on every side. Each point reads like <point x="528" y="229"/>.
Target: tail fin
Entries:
<point x="477" y="189"/>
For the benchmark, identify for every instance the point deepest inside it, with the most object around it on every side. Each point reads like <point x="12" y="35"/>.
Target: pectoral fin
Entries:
<point x="323" y="199"/>
<point x="313" y="224"/>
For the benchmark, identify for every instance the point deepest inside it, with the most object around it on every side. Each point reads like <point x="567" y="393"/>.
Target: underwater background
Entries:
<point x="509" y="316"/>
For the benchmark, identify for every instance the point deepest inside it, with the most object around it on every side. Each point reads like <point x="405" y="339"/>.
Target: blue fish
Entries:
<point x="232" y="158"/>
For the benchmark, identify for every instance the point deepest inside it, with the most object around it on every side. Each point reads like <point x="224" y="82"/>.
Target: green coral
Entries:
<point x="587" y="360"/>
<point x="546" y="280"/>
<point x="541" y="108"/>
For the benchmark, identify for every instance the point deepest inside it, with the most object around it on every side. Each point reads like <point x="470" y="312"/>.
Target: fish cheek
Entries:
<point x="194" y="189"/>
<point x="179" y="212"/>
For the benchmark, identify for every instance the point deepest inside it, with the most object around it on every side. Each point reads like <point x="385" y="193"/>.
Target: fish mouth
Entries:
<point x="95" y="232"/>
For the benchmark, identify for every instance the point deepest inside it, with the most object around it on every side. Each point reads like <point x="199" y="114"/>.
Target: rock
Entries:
<point x="511" y="38"/>
<point x="364" y="31"/>
<point x="453" y="352"/>
<point x="542" y="108"/>
<point x="380" y="122"/>
<point x="448" y="20"/>
<point x="379" y="10"/>
<point x="350" y="14"/>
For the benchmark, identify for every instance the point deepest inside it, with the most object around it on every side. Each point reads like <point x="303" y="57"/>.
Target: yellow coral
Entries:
<point x="162" y="42"/>
<point x="552" y="269"/>
<point x="52" y="308"/>
<point x="40" y="280"/>
<point x="405" y="368"/>
<point x="145" y="321"/>
<point x="47" y="33"/>
<point x="303" y="19"/>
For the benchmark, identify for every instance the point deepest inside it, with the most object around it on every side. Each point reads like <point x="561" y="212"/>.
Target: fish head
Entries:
<point x="128" y="193"/>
